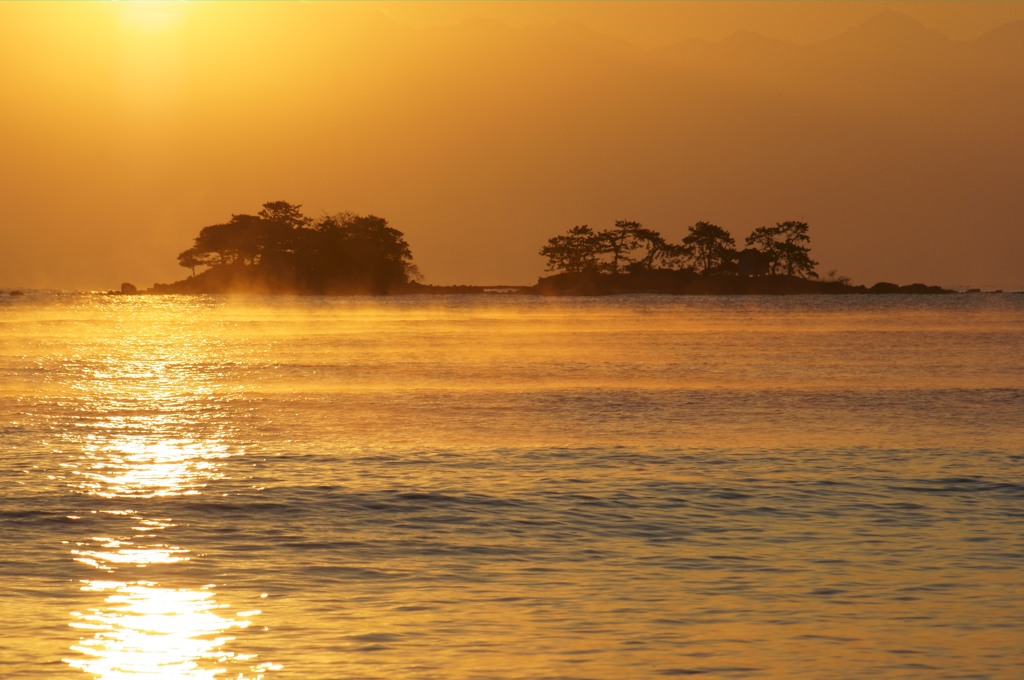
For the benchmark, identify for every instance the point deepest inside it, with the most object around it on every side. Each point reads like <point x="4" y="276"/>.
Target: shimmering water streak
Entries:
<point x="145" y="631"/>
<point x="140" y="468"/>
<point x="137" y="426"/>
<point x="508" y="488"/>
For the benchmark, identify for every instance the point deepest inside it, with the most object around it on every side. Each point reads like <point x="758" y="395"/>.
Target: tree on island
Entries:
<point x="617" y="243"/>
<point x="281" y="248"/>
<point x="711" y="248"/>
<point x="629" y="246"/>
<point x="786" y="248"/>
<point x="345" y="250"/>
<point x="645" y="247"/>
<point x="574" y="252"/>
<point x="706" y="250"/>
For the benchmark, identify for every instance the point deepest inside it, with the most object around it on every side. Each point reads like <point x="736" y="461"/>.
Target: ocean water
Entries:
<point x="507" y="487"/>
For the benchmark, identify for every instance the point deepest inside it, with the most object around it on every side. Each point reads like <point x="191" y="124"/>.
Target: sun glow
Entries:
<point x="151" y="15"/>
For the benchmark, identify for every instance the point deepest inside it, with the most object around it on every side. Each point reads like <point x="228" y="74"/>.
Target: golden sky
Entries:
<point x="481" y="129"/>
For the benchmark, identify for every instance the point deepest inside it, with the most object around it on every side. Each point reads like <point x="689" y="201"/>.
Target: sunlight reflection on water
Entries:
<point x="146" y="469"/>
<point x="146" y="631"/>
<point x="142" y="628"/>
<point x="136" y="442"/>
<point x="512" y="488"/>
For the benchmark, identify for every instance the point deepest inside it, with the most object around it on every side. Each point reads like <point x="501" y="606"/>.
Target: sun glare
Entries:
<point x="150" y="16"/>
<point x="146" y="631"/>
<point x="142" y="446"/>
<point x="147" y="469"/>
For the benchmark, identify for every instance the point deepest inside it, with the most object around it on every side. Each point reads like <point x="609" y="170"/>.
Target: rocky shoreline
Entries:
<point x="675" y="282"/>
<point x="655" y="282"/>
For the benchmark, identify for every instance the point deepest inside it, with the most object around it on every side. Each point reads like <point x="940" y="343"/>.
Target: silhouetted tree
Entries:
<point x="664" y="255"/>
<point x="284" y="213"/>
<point x="351" y="251"/>
<point x="763" y="241"/>
<point x="247" y="239"/>
<point x="281" y="246"/>
<point x="633" y="247"/>
<point x="711" y="248"/>
<point x="217" y="244"/>
<point x="281" y="232"/>
<point x="573" y="252"/>
<point x="628" y="246"/>
<point x="618" y="243"/>
<point x="786" y="248"/>
<point x="647" y="247"/>
<point x="190" y="260"/>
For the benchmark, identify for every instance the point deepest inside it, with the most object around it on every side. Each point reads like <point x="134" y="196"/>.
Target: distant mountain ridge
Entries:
<point x="889" y="32"/>
<point x="893" y="29"/>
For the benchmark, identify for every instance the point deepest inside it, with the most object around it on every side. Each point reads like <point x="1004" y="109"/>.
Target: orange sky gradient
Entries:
<point x="481" y="129"/>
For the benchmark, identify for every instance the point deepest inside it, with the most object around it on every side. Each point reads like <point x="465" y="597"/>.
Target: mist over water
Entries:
<point x="509" y="487"/>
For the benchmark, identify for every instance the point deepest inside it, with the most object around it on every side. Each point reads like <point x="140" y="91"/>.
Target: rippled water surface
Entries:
<point x="505" y="487"/>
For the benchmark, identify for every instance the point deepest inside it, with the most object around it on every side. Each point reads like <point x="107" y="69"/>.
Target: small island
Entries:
<point x="630" y="258"/>
<point x="281" y="250"/>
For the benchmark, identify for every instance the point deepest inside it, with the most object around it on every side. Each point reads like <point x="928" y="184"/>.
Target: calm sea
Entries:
<point x="507" y="487"/>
